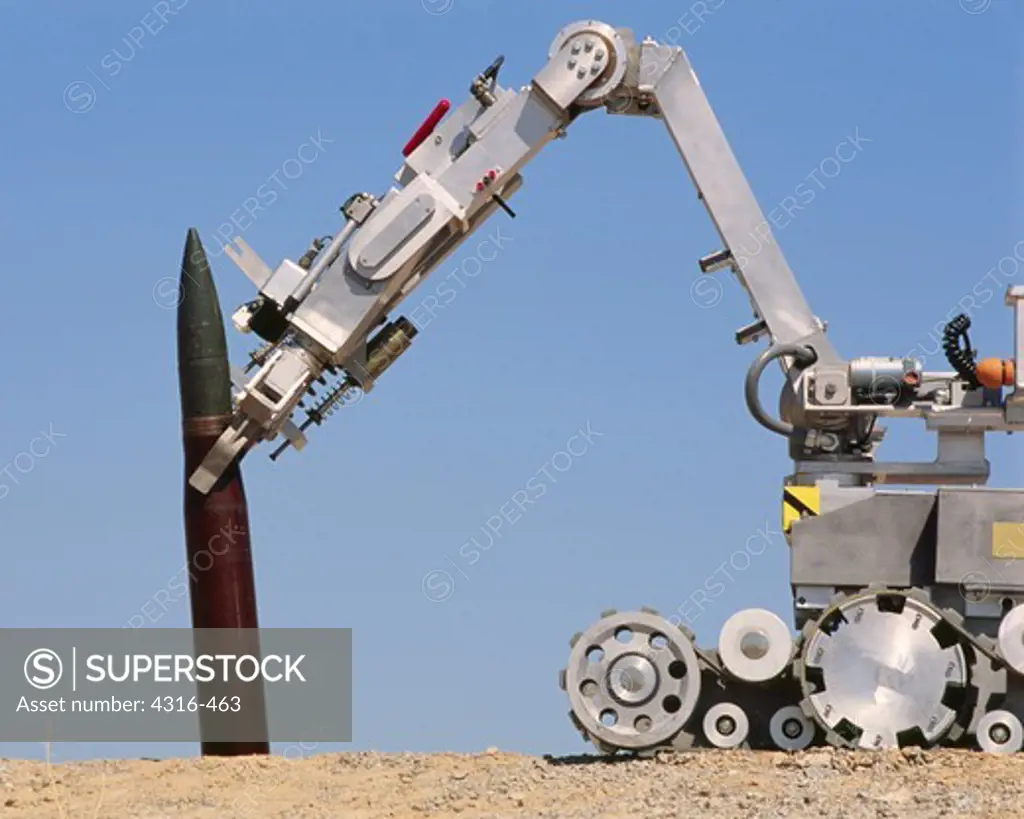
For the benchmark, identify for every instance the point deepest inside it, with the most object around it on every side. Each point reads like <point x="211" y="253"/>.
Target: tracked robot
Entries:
<point x="907" y="602"/>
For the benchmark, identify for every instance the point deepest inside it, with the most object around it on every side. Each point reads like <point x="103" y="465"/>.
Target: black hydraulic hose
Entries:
<point x="805" y="356"/>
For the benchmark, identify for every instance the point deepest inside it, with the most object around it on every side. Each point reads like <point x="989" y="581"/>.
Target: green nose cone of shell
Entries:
<point x="203" y="370"/>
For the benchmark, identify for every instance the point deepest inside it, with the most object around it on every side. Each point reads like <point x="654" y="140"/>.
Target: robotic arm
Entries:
<point x="327" y="315"/>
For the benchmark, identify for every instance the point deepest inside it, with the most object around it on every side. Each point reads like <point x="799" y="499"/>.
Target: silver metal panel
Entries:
<point x="292" y="368"/>
<point x="812" y="598"/>
<point x="282" y="284"/>
<point x="1014" y="410"/>
<point x="341" y="311"/>
<point x="967" y="540"/>
<point x="910" y="473"/>
<point x="834" y="496"/>
<point x="335" y="307"/>
<point x="493" y="113"/>
<point x="248" y="261"/>
<point x="527" y="126"/>
<point x="568" y="73"/>
<point x="396" y="289"/>
<point x="729" y="200"/>
<point x="978" y="420"/>
<point x="395" y="234"/>
<point x="887" y="538"/>
<point x="391" y="220"/>
<point x="444" y="246"/>
<point x="340" y="300"/>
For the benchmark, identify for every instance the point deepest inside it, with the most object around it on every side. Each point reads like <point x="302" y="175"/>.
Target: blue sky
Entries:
<point x="583" y="311"/>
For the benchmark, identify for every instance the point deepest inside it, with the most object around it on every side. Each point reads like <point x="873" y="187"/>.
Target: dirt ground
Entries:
<point x="720" y="785"/>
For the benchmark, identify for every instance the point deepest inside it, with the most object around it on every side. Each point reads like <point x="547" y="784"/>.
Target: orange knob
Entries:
<point x="995" y="372"/>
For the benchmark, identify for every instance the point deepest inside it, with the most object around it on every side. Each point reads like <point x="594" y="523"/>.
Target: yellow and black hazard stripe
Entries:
<point x="799" y="502"/>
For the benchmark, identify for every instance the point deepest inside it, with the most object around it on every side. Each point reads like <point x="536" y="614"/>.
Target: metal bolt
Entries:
<point x="999" y="734"/>
<point x="588" y="46"/>
<point x="829" y="442"/>
<point x="595" y="69"/>
<point x="581" y="73"/>
<point x="792" y="728"/>
<point x="575" y="48"/>
<point x="571" y="64"/>
<point x="830" y="390"/>
<point x="599" y="54"/>
<point x="631" y="681"/>
<point x="725" y="725"/>
<point x="438" y="139"/>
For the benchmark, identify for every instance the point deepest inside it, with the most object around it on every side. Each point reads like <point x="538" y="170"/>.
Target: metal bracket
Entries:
<point x="1013" y="410"/>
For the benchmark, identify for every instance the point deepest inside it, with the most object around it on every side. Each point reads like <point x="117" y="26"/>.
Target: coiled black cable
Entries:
<point x="956" y="344"/>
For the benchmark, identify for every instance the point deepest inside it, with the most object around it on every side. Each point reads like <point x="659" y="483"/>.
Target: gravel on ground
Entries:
<point x="493" y="785"/>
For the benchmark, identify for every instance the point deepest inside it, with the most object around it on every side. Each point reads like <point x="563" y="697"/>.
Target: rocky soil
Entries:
<point x="721" y="785"/>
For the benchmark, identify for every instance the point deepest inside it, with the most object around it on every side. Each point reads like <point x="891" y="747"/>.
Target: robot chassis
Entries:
<point x="908" y="602"/>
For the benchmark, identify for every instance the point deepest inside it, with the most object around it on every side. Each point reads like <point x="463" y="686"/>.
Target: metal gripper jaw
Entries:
<point x="263" y="408"/>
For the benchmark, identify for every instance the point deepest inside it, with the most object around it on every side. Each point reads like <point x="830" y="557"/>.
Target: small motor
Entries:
<point x="889" y="381"/>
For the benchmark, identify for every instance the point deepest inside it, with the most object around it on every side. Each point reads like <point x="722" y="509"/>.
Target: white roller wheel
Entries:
<point x="1011" y="639"/>
<point x="726" y="725"/>
<point x="755" y="645"/>
<point x="1000" y="732"/>
<point x="790" y="729"/>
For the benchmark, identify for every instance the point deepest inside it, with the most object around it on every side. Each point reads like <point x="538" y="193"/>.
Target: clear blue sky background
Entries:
<point x="588" y="314"/>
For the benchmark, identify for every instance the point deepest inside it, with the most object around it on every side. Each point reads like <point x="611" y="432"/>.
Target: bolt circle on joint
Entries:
<point x="593" y="36"/>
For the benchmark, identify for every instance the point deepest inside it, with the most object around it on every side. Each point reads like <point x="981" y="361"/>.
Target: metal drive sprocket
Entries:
<point x="633" y="681"/>
<point x="882" y="669"/>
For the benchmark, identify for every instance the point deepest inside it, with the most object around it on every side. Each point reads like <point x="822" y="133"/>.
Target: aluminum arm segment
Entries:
<point x="323" y="314"/>
<point x="667" y="87"/>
